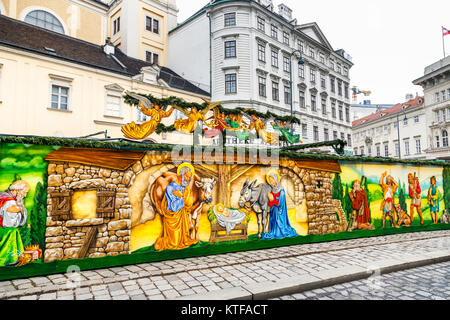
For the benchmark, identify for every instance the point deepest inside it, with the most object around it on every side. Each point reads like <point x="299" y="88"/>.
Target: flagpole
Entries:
<point x="443" y="41"/>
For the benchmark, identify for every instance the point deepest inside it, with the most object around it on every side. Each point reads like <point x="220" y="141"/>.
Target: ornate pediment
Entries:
<point x="114" y="87"/>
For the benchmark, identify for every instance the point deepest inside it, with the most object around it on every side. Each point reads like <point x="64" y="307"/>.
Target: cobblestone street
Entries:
<point x="188" y="277"/>
<point x="425" y="283"/>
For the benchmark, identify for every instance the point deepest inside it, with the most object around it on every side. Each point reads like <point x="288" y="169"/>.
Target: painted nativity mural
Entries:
<point x="65" y="202"/>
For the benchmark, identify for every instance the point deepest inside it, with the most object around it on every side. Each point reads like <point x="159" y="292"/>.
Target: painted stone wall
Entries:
<point x="65" y="238"/>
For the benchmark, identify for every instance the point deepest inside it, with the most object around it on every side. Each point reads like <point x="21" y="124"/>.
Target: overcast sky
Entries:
<point x="390" y="41"/>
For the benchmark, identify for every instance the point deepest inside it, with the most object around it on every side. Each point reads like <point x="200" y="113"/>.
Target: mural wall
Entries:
<point x="64" y="203"/>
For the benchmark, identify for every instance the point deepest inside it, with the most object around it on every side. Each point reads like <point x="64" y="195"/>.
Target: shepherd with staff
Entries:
<point x="360" y="203"/>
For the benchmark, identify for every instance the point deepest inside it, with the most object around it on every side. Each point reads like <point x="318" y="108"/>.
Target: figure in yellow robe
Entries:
<point x="188" y="126"/>
<point x="260" y="127"/>
<point x="141" y="131"/>
<point x="176" y="209"/>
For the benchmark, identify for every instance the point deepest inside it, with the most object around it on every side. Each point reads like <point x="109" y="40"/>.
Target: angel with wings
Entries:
<point x="141" y="131"/>
<point x="188" y="126"/>
<point x="260" y="127"/>
<point x="222" y="122"/>
<point x="284" y="128"/>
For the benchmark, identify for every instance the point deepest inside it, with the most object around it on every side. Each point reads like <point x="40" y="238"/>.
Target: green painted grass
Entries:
<point x="148" y="255"/>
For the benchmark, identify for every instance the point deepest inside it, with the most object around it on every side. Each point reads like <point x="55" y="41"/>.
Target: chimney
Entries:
<point x="109" y="48"/>
<point x="285" y="11"/>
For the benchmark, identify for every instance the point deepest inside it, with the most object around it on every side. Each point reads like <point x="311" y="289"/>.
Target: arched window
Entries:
<point x="444" y="138"/>
<point x="45" y="20"/>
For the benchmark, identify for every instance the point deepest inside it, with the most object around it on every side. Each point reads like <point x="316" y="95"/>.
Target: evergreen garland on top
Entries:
<point x="165" y="102"/>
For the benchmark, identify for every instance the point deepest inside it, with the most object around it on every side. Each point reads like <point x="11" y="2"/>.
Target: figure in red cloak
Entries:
<point x="361" y="213"/>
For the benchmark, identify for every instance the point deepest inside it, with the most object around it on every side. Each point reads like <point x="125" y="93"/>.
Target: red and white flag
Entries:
<point x="445" y="31"/>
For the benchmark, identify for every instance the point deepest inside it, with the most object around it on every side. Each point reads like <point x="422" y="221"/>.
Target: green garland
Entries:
<point x="122" y="144"/>
<point x="165" y="102"/>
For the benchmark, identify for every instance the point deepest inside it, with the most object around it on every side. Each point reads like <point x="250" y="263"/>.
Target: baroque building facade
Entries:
<point x="436" y="85"/>
<point x="247" y="52"/>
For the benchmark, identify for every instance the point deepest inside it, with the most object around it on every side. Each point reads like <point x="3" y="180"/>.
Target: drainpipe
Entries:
<point x="210" y="53"/>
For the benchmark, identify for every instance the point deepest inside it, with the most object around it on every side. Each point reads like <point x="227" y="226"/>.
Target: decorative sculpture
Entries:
<point x="141" y="131"/>
<point x="189" y="125"/>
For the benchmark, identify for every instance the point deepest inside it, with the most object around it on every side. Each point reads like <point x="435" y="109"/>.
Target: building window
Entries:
<point x="397" y="149"/>
<point x="438" y="116"/>
<point x="275" y="58"/>
<point x="155" y="58"/>
<point x="261" y="24"/>
<point x="346" y="92"/>
<point x="286" y="38"/>
<point x="347" y="114"/>
<point x="60" y="97"/>
<point x="230" y="49"/>
<point x="302" y="99"/>
<point x="438" y="142"/>
<point x="275" y="91"/>
<point x="332" y="85"/>
<point x="113" y="105"/>
<point x="335" y="135"/>
<point x="444" y="138"/>
<point x="369" y="151"/>
<point x="262" y="86"/>
<point x="301" y="71"/>
<point x="340" y="88"/>
<point x="322" y="81"/>
<point x="418" y="146"/>
<point x="339" y="68"/>
<point x="405" y="122"/>
<point x="230" y="19"/>
<point x="287" y="95"/>
<point x="311" y="53"/>
<point x="341" y="113"/>
<point x="395" y="125"/>
<point x="148" y="56"/>
<point x="316" y="133"/>
<point x="230" y="83"/>
<point x="261" y="52"/>
<point x="301" y="46"/>
<point x="333" y="110"/>
<point x="155" y="26"/>
<point x="332" y="65"/>
<point x="346" y="72"/>
<point x="444" y="96"/>
<point x="286" y="64"/>
<point x="444" y="115"/>
<point x="355" y="151"/>
<point x="149" y="24"/>
<point x="326" y="135"/>
<point x="416" y="119"/>
<point x="313" y="75"/>
<point x="438" y="98"/>
<point x="322" y="58"/>
<point x="362" y="151"/>
<point x="324" y="106"/>
<point x="305" y="130"/>
<point x="378" y="150"/>
<point x="313" y="103"/>
<point x="407" y="148"/>
<point x="116" y="25"/>
<point x="349" y="140"/>
<point x="386" y="150"/>
<point x="45" y="20"/>
<point x="274" y="32"/>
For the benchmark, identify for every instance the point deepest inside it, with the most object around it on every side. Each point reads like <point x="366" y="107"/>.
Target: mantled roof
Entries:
<point x="417" y="102"/>
<point x="24" y="36"/>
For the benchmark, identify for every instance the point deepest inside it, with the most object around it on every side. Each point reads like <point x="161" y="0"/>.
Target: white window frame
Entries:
<point x="60" y="81"/>
<point x="28" y="10"/>
<point x="116" y="93"/>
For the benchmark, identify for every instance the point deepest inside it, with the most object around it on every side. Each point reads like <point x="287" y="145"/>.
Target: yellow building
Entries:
<point x="55" y="85"/>
<point x="138" y="27"/>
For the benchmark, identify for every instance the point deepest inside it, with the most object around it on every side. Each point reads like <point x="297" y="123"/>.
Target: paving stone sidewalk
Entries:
<point x="186" y="277"/>
<point x="430" y="282"/>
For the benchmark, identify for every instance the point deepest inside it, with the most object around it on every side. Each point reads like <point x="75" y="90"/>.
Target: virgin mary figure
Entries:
<point x="279" y="226"/>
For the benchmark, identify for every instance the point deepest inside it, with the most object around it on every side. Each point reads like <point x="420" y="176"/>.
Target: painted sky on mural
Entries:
<point x="391" y="42"/>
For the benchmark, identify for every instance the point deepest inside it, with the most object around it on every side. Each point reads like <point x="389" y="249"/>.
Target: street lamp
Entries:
<point x="300" y="62"/>
<point x="398" y="133"/>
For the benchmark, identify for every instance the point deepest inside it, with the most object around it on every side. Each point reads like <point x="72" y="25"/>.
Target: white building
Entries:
<point x="397" y="132"/>
<point x="436" y="85"/>
<point x="365" y="109"/>
<point x="244" y="49"/>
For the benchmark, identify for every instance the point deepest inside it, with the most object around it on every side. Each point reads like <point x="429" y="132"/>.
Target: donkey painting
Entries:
<point x="255" y="198"/>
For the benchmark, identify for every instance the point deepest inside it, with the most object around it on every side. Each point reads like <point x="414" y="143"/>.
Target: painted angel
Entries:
<point x="222" y="122"/>
<point x="141" y="131"/>
<point x="260" y="127"/>
<point x="188" y="126"/>
<point x="285" y="129"/>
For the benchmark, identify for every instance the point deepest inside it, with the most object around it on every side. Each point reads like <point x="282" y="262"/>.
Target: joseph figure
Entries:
<point x="176" y="208"/>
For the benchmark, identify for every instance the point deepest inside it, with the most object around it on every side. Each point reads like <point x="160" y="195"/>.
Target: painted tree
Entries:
<point x="39" y="216"/>
<point x="338" y="190"/>
<point x="402" y="197"/>
<point x="369" y="196"/>
<point x="347" y="204"/>
<point x="17" y="177"/>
